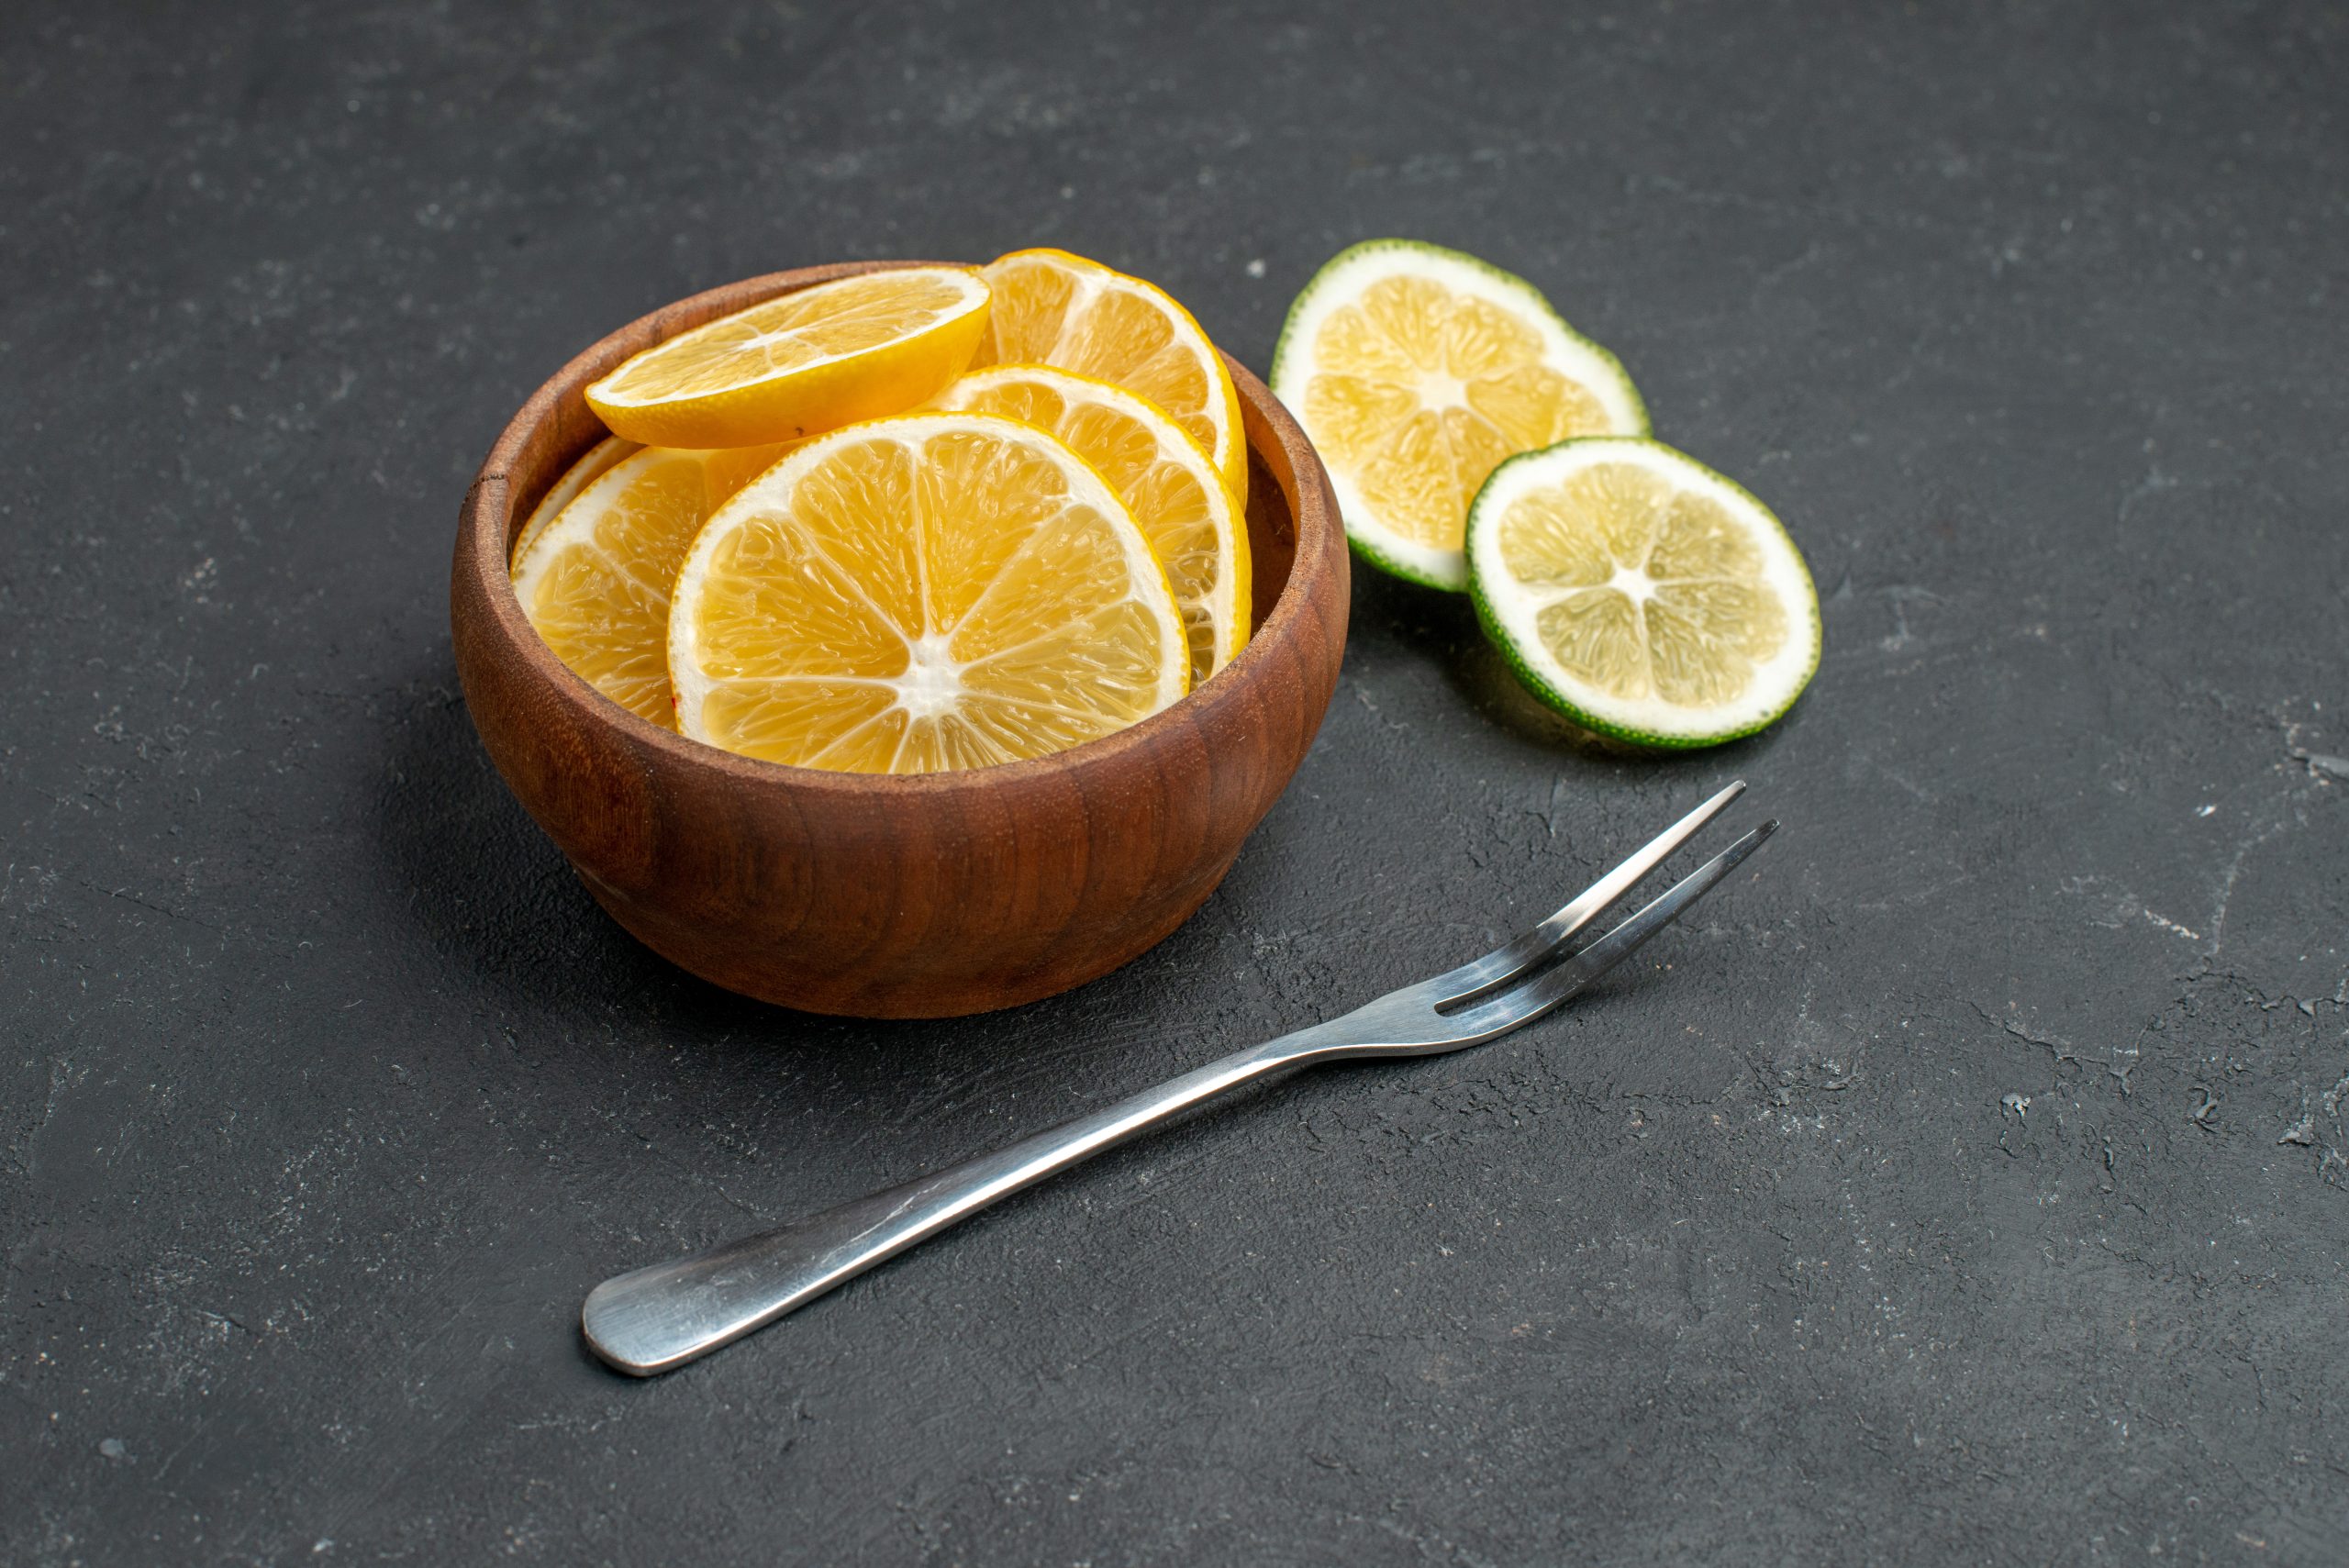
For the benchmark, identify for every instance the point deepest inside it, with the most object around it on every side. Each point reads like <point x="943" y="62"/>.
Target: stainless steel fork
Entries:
<point x="654" y="1318"/>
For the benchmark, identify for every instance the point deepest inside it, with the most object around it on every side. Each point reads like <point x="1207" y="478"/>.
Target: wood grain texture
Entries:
<point x="883" y="897"/>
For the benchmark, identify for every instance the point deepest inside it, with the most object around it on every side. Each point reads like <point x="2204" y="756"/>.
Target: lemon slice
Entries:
<point x="1416" y="371"/>
<point x="813" y="360"/>
<point x="1165" y="478"/>
<point x="1641" y="594"/>
<point x="595" y="581"/>
<point x="577" y="477"/>
<point x="1052" y="308"/>
<point x="914" y="595"/>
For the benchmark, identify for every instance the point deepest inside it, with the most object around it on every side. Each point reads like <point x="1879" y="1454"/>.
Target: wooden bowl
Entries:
<point x="880" y="896"/>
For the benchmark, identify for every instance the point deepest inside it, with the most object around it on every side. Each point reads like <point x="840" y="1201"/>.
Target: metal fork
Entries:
<point x="654" y="1318"/>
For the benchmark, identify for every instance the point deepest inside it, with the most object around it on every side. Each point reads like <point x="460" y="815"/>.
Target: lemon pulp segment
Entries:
<point x="919" y="594"/>
<point x="595" y="582"/>
<point x="1165" y="478"/>
<point x="1052" y="308"/>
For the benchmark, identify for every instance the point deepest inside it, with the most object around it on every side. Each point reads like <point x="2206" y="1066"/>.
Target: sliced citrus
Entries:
<point x="1416" y="371"/>
<point x="1641" y="594"/>
<point x="853" y="349"/>
<point x="1165" y="478"/>
<point x="577" y="477"/>
<point x="931" y="592"/>
<point x="1052" y="308"/>
<point x="595" y="581"/>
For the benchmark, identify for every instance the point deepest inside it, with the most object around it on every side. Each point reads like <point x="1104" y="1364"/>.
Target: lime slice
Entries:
<point x="1416" y="371"/>
<point x="1641" y="594"/>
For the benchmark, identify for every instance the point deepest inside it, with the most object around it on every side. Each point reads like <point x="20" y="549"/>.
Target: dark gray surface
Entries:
<point x="1967" y="1187"/>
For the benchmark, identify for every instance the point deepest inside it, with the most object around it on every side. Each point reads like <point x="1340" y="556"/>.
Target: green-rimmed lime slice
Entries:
<point x="1641" y="594"/>
<point x="1416" y="371"/>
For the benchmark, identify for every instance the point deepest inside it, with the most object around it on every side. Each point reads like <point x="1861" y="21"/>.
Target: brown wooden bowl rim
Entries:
<point x="486" y="536"/>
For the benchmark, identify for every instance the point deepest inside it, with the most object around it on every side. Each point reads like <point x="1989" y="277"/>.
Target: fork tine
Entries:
<point x="1530" y="1001"/>
<point x="1507" y="961"/>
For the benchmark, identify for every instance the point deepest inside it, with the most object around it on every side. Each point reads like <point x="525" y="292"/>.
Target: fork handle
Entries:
<point x="651" y="1319"/>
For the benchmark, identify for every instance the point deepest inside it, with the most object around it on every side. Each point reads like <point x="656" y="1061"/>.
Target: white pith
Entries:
<point x="1517" y="605"/>
<point x="932" y="682"/>
<point x="1342" y="282"/>
<point x="1634" y="585"/>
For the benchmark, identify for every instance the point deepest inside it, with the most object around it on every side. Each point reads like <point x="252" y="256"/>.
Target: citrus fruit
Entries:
<point x="853" y="349"/>
<point x="595" y="581"/>
<point x="1641" y="594"/>
<point x="1165" y="478"/>
<point x="1416" y="371"/>
<point x="1052" y="308"/>
<point x="577" y="477"/>
<point x="929" y="591"/>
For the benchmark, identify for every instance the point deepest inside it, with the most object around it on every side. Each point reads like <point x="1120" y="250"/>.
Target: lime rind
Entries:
<point x="1343" y="279"/>
<point x="1507" y="610"/>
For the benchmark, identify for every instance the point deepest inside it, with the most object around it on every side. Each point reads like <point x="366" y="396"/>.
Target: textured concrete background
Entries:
<point x="1965" y="1186"/>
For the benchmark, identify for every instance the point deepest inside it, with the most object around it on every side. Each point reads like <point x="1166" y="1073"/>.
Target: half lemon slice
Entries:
<point x="1165" y="477"/>
<point x="1052" y="308"/>
<point x="1416" y="371"/>
<point x="815" y="360"/>
<point x="919" y="594"/>
<point x="1641" y="594"/>
<point x="595" y="579"/>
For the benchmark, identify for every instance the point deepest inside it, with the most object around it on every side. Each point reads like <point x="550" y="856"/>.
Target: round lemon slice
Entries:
<point x="1641" y="594"/>
<point x="595" y="579"/>
<point x="1165" y="477"/>
<point x="1052" y="308"/>
<point x="853" y="349"/>
<point x="931" y="592"/>
<point x="598" y="460"/>
<point x="1416" y="371"/>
